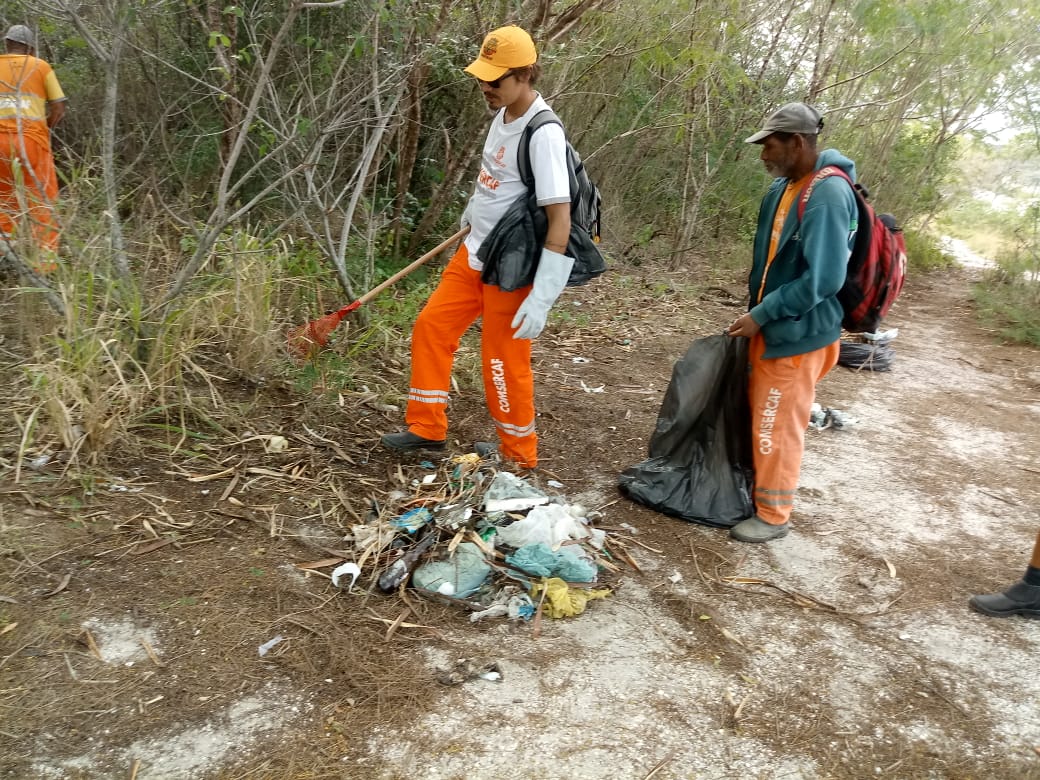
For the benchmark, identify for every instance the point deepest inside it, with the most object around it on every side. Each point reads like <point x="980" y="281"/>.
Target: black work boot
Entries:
<point x="1020" y="599"/>
<point x="406" y="440"/>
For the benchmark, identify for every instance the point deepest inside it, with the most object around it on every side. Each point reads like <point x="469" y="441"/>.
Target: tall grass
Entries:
<point x="1008" y="297"/>
<point x="112" y="377"/>
<point x="924" y="254"/>
<point x="111" y="369"/>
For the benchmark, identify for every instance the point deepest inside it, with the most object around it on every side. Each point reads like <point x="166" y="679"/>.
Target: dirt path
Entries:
<point x="859" y="658"/>
<point x="845" y="650"/>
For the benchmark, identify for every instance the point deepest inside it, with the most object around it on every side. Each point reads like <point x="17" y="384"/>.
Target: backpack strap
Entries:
<point x="825" y="172"/>
<point x="523" y="154"/>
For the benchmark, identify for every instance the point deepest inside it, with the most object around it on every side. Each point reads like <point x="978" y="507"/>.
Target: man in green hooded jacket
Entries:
<point x="794" y="317"/>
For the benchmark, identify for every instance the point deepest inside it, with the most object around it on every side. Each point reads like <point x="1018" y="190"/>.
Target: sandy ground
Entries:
<point x="858" y="658"/>
<point x="845" y="650"/>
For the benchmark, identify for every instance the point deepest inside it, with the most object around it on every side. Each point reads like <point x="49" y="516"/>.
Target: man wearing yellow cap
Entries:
<point x="31" y="103"/>
<point x="506" y="70"/>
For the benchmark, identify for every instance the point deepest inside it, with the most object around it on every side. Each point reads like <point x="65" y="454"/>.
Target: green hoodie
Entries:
<point x="799" y="311"/>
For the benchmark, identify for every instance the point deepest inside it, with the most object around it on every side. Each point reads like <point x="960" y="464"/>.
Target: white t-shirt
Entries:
<point x="499" y="183"/>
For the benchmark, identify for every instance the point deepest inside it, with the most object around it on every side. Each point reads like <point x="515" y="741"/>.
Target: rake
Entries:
<point x="306" y="339"/>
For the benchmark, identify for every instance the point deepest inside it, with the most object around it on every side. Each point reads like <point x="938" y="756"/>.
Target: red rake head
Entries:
<point x="307" y="339"/>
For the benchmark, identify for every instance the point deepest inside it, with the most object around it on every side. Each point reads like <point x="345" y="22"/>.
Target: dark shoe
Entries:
<point x="756" y="530"/>
<point x="1020" y="599"/>
<point x="406" y="440"/>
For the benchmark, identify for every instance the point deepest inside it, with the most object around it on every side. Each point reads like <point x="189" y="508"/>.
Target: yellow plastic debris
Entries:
<point x="562" y="600"/>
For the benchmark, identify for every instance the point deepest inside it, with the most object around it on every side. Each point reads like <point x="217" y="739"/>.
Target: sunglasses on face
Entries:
<point x="497" y="82"/>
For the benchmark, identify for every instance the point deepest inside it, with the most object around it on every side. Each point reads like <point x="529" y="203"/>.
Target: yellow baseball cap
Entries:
<point x="503" y="49"/>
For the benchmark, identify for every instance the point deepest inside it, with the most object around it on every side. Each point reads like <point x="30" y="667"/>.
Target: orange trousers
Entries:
<point x="459" y="299"/>
<point x="781" y="392"/>
<point x="28" y="187"/>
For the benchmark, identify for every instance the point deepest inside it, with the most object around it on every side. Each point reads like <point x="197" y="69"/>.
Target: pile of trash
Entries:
<point x="487" y="540"/>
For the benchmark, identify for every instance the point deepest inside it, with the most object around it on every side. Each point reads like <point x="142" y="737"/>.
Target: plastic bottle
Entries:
<point x="402" y="567"/>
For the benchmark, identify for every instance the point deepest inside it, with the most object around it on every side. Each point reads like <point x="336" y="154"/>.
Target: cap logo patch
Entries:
<point x="490" y="48"/>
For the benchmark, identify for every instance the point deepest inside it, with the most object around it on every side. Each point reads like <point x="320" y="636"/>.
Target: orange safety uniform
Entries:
<point x="461" y="297"/>
<point x="781" y="392"/>
<point x="28" y="180"/>
<point x="506" y="362"/>
<point x="781" y="389"/>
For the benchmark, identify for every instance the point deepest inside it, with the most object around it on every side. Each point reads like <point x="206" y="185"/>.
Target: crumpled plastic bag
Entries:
<point x="377" y="536"/>
<point x="509" y="602"/>
<point x="509" y="493"/>
<point x="460" y="576"/>
<point x="412" y="520"/>
<point x="562" y="600"/>
<point x="568" y="563"/>
<point x="552" y="525"/>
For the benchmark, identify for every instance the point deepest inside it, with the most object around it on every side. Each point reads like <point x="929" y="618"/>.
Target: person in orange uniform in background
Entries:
<point x="505" y="70"/>
<point x="31" y="104"/>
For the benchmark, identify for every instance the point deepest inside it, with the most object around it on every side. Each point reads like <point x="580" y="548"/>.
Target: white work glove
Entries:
<point x="549" y="280"/>
<point x="464" y="219"/>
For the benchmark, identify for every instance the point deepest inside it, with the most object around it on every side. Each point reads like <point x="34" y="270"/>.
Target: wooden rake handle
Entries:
<point x="405" y="271"/>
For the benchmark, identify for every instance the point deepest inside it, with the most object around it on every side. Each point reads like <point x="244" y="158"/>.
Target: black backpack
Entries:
<point x="586" y="203"/>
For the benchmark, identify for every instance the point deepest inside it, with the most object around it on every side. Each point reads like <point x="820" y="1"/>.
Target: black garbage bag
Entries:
<point x="699" y="466"/>
<point x="865" y="357"/>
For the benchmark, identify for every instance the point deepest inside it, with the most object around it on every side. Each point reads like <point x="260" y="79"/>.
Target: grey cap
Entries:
<point x="789" y="118"/>
<point x="19" y="33"/>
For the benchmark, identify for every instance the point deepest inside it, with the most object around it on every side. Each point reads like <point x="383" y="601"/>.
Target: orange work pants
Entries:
<point x="459" y="299"/>
<point x="781" y="392"/>
<point x="28" y="187"/>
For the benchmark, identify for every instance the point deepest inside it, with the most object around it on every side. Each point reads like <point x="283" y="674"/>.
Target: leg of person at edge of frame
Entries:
<point x="1022" y="598"/>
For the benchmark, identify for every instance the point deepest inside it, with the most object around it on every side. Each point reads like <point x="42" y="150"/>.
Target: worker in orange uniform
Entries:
<point x="794" y="317"/>
<point x="506" y="70"/>
<point x="31" y="104"/>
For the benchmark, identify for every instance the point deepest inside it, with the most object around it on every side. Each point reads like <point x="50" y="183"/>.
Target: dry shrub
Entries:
<point x="110" y="365"/>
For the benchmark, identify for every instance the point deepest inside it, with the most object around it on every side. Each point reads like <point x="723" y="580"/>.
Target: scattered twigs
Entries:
<point x="151" y="652"/>
<point x="618" y="549"/>
<point x="61" y="586"/>
<point x="801" y="599"/>
<point x="660" y="765"/>
<point x="398" y="622"/>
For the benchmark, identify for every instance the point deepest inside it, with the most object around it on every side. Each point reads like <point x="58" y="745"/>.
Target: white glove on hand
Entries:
<point x="464" y="219"/>
<point x="549" y="280"/>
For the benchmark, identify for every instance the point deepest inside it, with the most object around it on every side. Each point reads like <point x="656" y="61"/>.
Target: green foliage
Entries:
<point x="657" y="96"/>
<point x="1009" y="296"/>
<point x="911" y="184"/>
<point x="1011" y="305"/>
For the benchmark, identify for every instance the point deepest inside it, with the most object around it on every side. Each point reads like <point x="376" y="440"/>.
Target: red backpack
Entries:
<point x="877" y="265"/>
